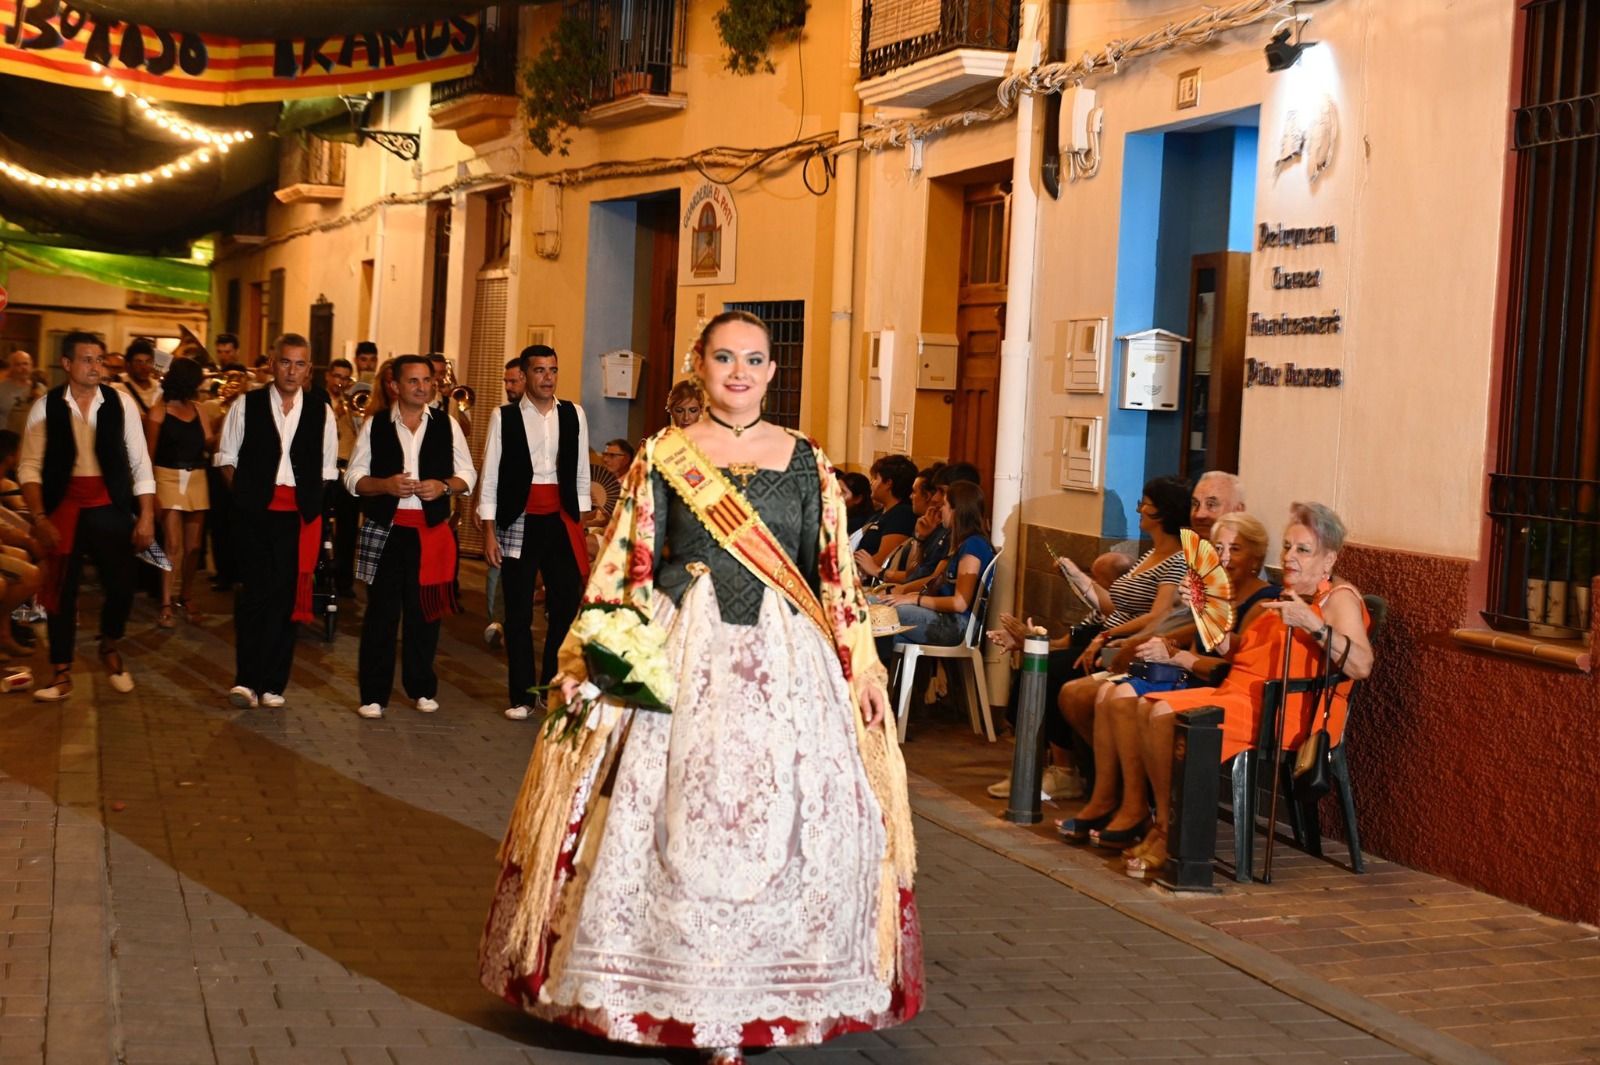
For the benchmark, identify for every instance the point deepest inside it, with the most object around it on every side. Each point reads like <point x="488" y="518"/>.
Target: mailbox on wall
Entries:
<point x="621" y="374"/>
<point x="1152" y="370"/>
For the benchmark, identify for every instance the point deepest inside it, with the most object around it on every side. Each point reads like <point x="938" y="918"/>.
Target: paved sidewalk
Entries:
<point x="1477" y="969"/>
<point x="187" y="883"/>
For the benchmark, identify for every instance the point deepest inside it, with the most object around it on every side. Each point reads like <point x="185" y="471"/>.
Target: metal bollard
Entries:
<point x="1192" y="836"/>
<point x="1026" y="758"/>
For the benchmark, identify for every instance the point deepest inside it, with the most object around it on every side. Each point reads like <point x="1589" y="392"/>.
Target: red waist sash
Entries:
<point x="83" y="493"/>
<point x="436" y="576"/>
<point x="546" y="499"/>
<point x="283" y="500"/>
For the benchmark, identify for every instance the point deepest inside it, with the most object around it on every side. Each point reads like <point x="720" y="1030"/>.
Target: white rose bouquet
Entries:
<point x="627" y="659"/>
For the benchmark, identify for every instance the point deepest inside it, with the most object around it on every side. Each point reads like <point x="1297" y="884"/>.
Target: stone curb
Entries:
<point x="954" y="814"/>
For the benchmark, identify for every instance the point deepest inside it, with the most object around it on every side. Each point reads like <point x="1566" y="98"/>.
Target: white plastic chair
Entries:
<point x="968" y="651"/>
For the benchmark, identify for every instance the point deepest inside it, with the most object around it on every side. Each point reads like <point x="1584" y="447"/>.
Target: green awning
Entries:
<point x="174" y="278"/>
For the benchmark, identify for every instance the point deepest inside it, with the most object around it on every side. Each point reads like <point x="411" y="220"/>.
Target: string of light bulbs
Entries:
<point x="211" y="144"/>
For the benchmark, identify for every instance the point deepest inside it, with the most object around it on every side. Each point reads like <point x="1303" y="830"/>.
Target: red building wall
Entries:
<point x="1469" y="765"/>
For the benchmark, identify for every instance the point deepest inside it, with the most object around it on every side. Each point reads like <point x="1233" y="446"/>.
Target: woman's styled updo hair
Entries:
<point x="723" y="319"/>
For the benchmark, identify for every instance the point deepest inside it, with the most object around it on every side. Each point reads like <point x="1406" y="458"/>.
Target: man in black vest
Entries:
<point x="278" y="452"/>
<point x="86" y="478"/>
<point x="408" y="463"/>
<point x="535" y="492"/>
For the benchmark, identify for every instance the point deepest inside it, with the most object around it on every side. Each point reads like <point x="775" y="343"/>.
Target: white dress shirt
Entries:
<point x="287" y="423"/>
<point x="411" y="447"/>
<point x="544" y="445"/>
<point x="30" y="464"/>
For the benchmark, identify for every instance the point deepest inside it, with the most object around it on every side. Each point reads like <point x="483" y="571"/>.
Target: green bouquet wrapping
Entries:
<point x="626" y="655"/>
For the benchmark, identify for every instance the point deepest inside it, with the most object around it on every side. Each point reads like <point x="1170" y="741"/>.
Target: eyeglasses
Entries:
<point x="612" y="455"/>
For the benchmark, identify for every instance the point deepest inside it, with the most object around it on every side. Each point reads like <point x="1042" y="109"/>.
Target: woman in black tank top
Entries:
<point x="180" y="437"/>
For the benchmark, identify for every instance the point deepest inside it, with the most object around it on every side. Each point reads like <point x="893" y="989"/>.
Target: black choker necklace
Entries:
<point x="736" y="430"/>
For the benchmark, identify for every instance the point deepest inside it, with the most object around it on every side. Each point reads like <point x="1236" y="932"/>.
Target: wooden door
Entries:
<point x="1219" y="292"/>
<point x="660" y="358"/>
<point x="980" y="326"/>
<point x="19" y="331"/>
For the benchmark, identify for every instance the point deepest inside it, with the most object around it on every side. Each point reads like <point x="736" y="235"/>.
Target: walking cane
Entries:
<point x="1275" y="756"/>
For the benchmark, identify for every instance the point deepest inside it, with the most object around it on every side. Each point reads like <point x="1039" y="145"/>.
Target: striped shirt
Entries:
<point x="1134" y="593"/>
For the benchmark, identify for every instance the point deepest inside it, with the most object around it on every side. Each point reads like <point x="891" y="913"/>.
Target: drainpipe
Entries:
<point x="1016" y="349"/>
<point x="369" y="328"/>
<point x="1055" y="51"/>
<point x="841" y="326"/>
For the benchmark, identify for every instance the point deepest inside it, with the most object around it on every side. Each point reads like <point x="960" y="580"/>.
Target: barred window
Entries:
<point x="1544" y="499"/>
<point x="786" y="321"/>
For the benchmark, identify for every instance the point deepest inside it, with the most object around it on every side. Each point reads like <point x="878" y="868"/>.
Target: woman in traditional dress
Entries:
<point x="738" y="872"/>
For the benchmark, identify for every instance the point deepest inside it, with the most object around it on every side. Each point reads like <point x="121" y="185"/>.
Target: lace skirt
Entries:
<point x="719" y="888"/>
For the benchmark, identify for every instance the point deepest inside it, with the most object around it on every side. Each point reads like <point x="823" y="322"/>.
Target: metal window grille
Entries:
<point x="640" y="42"/>
<point x="786" y="322"/>
<point x="897" y="33"/>
<point x="1544" y="496"/>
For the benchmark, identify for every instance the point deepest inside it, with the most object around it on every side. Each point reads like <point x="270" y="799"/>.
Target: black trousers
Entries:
<point x="104" y="536"/>
<point x="393" y="595"/>
<point x="346" y="523"/>
<point x="219" y="526"/>
<point x="547" y="552"/>
<point x="269" y="556"/>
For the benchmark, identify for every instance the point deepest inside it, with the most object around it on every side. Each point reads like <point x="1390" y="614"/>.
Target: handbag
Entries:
<point x="1164" y="674"/>
<point x="1313" y="770"/>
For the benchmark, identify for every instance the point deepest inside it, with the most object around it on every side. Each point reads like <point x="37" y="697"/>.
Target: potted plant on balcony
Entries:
<point x="558" y="86"/>
<point x="748" y="26"/>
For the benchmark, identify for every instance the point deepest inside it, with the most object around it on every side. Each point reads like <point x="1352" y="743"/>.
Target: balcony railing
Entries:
<point x="640" y="42"/>
<point x="310" y="168"/>
<point x="897" y="33"/>
<point x="496" y="72"/>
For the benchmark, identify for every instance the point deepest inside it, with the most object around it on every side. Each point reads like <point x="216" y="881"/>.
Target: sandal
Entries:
<point x="60" y="686"/>
<point x="168" y="619"/>
<point x="1150" y="864"/>
<point x="193" y="614"/>
<point x="121" y="680"/>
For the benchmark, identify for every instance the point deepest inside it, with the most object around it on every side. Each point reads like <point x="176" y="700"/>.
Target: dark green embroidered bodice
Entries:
<point x="789" y="502"/>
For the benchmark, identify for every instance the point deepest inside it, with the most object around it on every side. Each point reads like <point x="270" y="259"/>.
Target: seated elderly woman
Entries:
<point x="1323" y="615"/>
<point x="938" y="612"/>
<point x="1241" y="543"/>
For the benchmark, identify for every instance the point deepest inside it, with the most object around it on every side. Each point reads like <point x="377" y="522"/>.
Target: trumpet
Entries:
<point x="463" y="397"/>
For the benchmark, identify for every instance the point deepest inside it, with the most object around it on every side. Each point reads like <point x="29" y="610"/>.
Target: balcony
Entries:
<point x="483" y="105"/>
<point x="919" y="53"/>
<point x="310" y="170"/>
<point x="641" y="43"/>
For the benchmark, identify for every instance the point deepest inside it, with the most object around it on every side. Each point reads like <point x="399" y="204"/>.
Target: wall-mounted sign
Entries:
<point x="55" y="41"/>
<point x="708" y="237"/>
<point x="1281" y="236"/>
<point x="1189" y="89"/>
<point x="1286" y="325"/>
<point x="1270" y="235"/>
<point x="1291" y="376"/>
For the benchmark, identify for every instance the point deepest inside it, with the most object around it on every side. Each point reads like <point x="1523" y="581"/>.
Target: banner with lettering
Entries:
<point x="54" y="41"/>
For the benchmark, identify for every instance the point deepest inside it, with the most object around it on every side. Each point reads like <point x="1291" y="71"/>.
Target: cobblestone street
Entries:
<point x="188" y="883"/>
